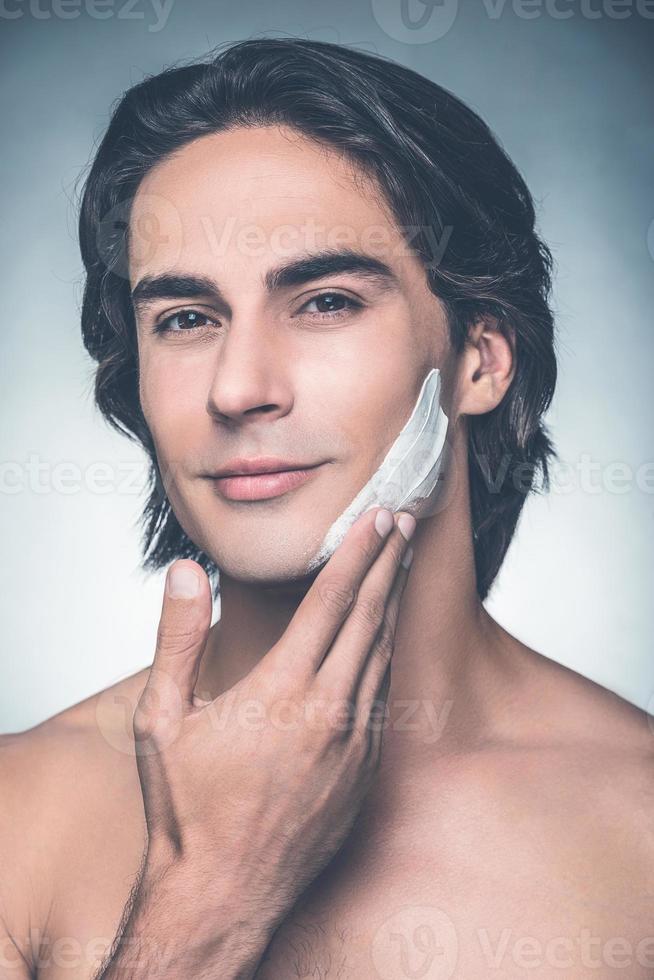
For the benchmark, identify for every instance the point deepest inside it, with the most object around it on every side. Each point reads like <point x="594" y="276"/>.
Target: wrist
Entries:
<point x="209" y="910"/>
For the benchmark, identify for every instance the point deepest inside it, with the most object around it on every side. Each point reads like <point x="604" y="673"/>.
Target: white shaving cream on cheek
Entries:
<point x="408" y="474"/>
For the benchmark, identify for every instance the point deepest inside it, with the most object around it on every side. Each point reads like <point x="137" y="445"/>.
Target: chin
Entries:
<point x="266" y="574"/>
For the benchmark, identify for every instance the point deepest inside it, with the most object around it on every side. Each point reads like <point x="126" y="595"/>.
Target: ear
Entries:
<point x="486" y="366"/>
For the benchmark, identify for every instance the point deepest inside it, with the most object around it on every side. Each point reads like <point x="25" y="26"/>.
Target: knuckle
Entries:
<point x="363" y="749"/>
<point x="337" y="595"/>
<point x="369" y="610"/>
<point x="339" y="722"/>
<point x="338" y="733"/>
<point x="143" y="722"/>
<point x="179" y="638"/>
<point x="154" y="720"/>
<point x="385" y="641"/>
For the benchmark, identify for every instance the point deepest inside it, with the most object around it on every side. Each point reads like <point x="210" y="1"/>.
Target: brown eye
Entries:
<point x="186" y="320"/>
<point x="329" y="300"/>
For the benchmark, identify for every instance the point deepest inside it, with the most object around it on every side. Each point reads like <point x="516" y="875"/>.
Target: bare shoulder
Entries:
<point x="568" y="709"/>
<point x="61" y="782"/>
<point x="556" y="803"/>
<point x="579" y="758"/>
<point x="36" y="760"/>
<point x="600" y="735"/>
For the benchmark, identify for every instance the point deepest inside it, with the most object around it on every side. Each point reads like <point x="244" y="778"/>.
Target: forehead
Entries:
<point x="257" y="195"/>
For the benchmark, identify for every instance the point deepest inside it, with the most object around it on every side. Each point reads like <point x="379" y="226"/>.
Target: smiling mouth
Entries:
<point x="262" y="486"/>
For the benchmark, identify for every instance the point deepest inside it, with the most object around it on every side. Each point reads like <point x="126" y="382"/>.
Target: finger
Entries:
<point x="374" y="681"/>
<point x="182" y="633"/>
<point x="332" y="595"/>
<point x="339" y="674"/>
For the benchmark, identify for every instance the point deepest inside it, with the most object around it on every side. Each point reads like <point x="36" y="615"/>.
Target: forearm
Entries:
<point x="175" y="926"/>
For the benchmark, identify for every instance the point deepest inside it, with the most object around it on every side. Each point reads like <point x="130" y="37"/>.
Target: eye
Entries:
<point x="328" y="299"/>
<point x="190" y="320"/>
<point x="193" y="319"/>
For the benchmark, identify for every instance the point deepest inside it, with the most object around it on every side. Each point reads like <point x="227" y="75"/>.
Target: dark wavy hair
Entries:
<point x="441" y="171"/>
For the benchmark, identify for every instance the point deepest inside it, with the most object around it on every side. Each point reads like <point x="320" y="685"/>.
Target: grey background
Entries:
<point x="567" y="89"/>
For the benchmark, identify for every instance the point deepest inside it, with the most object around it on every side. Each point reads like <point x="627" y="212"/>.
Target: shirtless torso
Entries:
<point x="529" y="858"/>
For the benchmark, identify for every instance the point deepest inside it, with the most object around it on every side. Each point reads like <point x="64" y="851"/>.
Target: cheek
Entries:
<point x="169" y="407"/>
<point x="167" y="390"/>
<point x="382" y="416"/>
<point x="384" y="411"/>
<point x="371" y="426"/>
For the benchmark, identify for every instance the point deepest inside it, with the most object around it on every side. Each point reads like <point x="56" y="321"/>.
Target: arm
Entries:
<point x="16" y="955"/>
<point x="165" y="930"/>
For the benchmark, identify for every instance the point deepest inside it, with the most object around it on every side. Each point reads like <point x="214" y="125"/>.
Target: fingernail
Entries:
<point x="183" y="582"/>
<point x="406" y="524"/>
<point x="407" y="557"/>
<point x="383" y="522"/>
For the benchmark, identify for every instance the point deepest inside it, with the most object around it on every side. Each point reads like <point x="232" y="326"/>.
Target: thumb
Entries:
<point x="183" y="628"/>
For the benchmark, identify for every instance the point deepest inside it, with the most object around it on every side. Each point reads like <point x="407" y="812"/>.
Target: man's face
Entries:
<point x="253" y="370"/>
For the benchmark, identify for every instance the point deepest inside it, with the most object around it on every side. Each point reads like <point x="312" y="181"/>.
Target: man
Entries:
<point x="508" y="830"/>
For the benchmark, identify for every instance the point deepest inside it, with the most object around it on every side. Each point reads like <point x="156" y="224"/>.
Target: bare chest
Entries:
<point x="495" y="913"/>
<point x="476" y="896"/>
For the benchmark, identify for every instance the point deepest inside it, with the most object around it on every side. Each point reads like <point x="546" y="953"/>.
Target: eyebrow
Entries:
<point x="172" y="285"/>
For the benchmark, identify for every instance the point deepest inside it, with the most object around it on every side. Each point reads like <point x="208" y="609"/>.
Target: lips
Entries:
<point x="260" y="464"/>
<point x="262" y="485"/>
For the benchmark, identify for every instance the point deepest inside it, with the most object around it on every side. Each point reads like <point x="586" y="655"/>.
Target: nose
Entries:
<point x="250" y="378"/>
